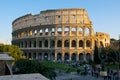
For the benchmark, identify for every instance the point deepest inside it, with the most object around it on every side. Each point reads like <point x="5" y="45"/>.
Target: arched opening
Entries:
<point x="73" y="57"/>
<point x="81" y="57"/>
<point x="59" y="56"/>
<point x="34" y="55"/>
<point x="88" y="43"/>
<point x="66" y="43"/>
<point x="46" y="31"/>
<point x="80" y="31"/>
<point x="46" y="43"/>
<point x="40" y="43"/>
<point x="101" y="44"/>
<point x="87" y="31"/>
<point x="53" y="31"/>
<point x="41" y="31"/>
<point x="30" y="32"/>
<point x="59" y="43"/>
<point x="35" y="32"/>
<point x="73" y="43"/>
<point x="29" y="56"/>
<point x="59" y="31"/>
<point x="88" y="57"/>
<point x="34" y="43"/>
<point x="52" y="56"/>
<point x="52" y="43"/>
<point x="96" y="43"/>
<point x="39" y="56"/>
<point x="30" y="44"/>
<point x="25" y="44"/>
<point x="73" y="31"/>
<point x="66" y="56"/>
<point x="66" y="31"/>
<point x="45" y="56"/>
<point x="80" y="43"/>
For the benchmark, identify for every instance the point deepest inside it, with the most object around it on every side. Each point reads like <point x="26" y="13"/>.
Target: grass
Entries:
<point x="59" y="66"/>
<point x="112" y="66"/>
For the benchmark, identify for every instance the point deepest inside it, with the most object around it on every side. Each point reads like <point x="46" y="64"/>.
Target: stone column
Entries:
<point x="84" y="43"/>
<point x="70" y="56"/>
<point x="70" y="43"/>
<point x="63" y="56"/>
<point x="77" y="56"/>
<point x="70" y="31"/>
<point x="42" y="55"/>
<point x="55" y="56"/>
<point x="84" y="59"/>
<point x="63" y="43"/>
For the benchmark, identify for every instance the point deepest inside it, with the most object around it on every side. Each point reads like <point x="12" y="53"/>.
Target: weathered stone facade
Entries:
<point x="60" y="35"/>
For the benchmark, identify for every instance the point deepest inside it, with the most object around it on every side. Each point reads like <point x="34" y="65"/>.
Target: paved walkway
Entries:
<point x="65" y="76"/>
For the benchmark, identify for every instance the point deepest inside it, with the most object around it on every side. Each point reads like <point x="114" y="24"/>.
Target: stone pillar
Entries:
<point x="70" y="31"/>
<point x="77" y="30"/>
<point x="56" y="43"/>
<point x="70" y="56"/>
<point x="55" y="56"/>
<point x="63" y="30"/>
<point x="49" y="54"/>
<point x="70" y="43"/>
<point x="56" y="31"/>
<point x="63" y="43"/>
<point x="84" y="59"/>
<point x="42" y="55"/>
<point x="84" y="43"/>
<point x="63" y="56"/>
<point x="77" y="56"/>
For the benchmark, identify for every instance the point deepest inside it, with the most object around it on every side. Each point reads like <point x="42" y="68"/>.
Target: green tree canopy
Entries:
<point x="13" y="50"/>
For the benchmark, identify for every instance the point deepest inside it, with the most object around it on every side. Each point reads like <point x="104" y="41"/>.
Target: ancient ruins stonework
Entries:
<point x="57" y="35"/>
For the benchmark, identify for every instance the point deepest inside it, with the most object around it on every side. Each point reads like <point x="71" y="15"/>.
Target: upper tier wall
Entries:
<point x="48" y="17"/>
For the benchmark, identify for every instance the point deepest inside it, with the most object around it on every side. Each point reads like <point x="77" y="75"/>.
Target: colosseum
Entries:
<point x="57" y="35"/>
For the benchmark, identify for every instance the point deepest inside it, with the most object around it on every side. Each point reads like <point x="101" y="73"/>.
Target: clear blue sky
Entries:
<point x="105" y="14"/>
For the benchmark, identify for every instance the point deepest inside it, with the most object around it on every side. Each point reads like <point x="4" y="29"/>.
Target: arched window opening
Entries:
<point x="25" y="44"/>
<point x="46" y="31"/>
<point x="46" y="43"/>
<point x="34" y="55"/>
<point x="22" y="44"/>
<point x="73" y="31"/>
<point x="34" y="44"/>
<point x="52" y="56"/>
<point x="80" y="31"/>
<point x="81" y="57"/>
<point x="40" y="43"/>
<point x="66" y="31"/>
<point x="73" y="43"/>
<point x="59" y="56"/>
<point x="87" y="31"/>
<point x="41" y="31"/>
<point x="52" y="43"/>
<point x="88" y="43"/>
<point x="29" y="43"/>
<point x="59" y="31"/>
<point x="35" y="32"/>
<point x="73" y="57"/>
<point x="45" y="56"/>
<point x="59" y="43"/>
<point x="66" y="43"/>
<point x="23" y="34"/>
<point x="88" y="57"/>
<point x="30" y="56"/>
<point x="39" y="56"/>
<point x="30" y="33"/>
<point x="66" y="56"/>
<point x="80" y="43"/>
<point x="53" y="31"/>
<point x="101" y="44"/>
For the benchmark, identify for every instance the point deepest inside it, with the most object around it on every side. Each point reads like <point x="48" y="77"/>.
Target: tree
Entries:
<point x="96" y="55"/>
<point x="13" y="50"/>
<point x="24" y="66"/>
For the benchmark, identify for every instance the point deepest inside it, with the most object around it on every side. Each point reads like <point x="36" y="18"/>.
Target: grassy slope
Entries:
<point x="59" y="66"/>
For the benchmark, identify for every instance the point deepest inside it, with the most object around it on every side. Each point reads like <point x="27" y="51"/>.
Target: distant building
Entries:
<point x="59" y="35"/>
